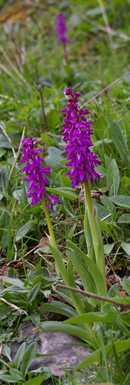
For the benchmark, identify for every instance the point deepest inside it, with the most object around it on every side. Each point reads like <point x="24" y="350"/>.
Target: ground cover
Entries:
<point x="36" y="69"/>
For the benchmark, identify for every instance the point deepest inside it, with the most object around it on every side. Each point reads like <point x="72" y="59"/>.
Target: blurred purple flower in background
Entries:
<point x="62" y="28"/>
<point x="77" y="132"/>
<point x="36" y="174"/>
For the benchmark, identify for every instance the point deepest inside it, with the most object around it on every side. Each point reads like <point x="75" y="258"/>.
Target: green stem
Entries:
<point x="53" y="246"/>
<point x="92" y="220"/>
<point x="50" y="228"/>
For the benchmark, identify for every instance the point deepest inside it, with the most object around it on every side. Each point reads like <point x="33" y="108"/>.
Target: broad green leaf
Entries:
<point x="48" y="140"/>
<point x="63" y="293"/>
<point x="4" y="143"/>
<point x="125" y="181"/>
<point x="55" y="326"/>
<point x="19" y="355"/>
<point x="22" y="231"/>
<point x="113" y="178"/>
<point x="16" y="374"/>
<point x="121" y="200"/>
<point x="93" y="268"/>
<point x="66" y="192"/>
<point x="92" y="12"/>
<point x="80" y="306"/>
<point x="85" y="275"/>
<point x="108" y="248"/>
<point x="33" y="293"/>
<point x="54" y="158"/>
<point x="18" y="194"/>
<point x="6" y="351"/>
<point x="52" y="119"/>
<point x="90" y="317"/>
<point x="126" y="285"/>
<point x="126" y="247"/>
<point x="60" y="308"/>
<point x="7" y="379"/>
<point x="28" y="357"/>
<point x="107" y="227"/>
<point x="38" y="380"/>
<point x="119" y="141"/>
<point x="109" y="206"/>
<point x="124" y="218"/>
<point x="119" y="345"/>
<point x="13" y="281"/>
<point x="102" y="211"/>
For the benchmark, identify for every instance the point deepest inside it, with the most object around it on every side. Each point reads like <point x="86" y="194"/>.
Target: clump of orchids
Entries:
<point x="82" y="162"/>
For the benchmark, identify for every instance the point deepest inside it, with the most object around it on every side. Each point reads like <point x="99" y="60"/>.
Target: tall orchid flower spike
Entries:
<point x="77" y="131"/>
<point x="36" y="177"/>
<point x="61" y="32"/>
<point x="36" y="174"/>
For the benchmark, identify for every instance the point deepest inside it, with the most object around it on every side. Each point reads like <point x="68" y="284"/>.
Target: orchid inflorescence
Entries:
<point x="77" y="132"/>
<point x="36" y="174"/>
<point x="62" y="28"/>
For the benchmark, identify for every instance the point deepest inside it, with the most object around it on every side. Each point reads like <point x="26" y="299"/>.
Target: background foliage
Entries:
<point x="98" y="67"/>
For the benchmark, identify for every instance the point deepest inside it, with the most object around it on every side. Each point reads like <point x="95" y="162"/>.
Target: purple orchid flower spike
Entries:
<point x="61" y="32"/>
<point x="62" y="28"/>
<point x="77" y="132"/>
<point x="36" y="174"/>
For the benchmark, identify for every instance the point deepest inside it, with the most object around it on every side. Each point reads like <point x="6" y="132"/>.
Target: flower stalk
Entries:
<point x="49" y="224"/>
<point x="92" y="221"/>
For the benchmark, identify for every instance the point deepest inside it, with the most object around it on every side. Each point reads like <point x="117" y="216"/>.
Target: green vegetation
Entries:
<point x="34" y="75"/>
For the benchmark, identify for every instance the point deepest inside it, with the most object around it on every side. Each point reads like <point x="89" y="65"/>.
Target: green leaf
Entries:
<point x="19" y="355"/>
<point x="7" y="378"/>
<point x="126" y="247"/>
<point x="66" y="192"/>
<point x="22" y="231"/>
<point x="28" y="357"/>
<point x="113" y="178"/>
<point x="109" y="206"/>
<point x="6" y="351"/>
<point x="16" y="374"/>
<point x="52" y="119"/>
<point x="13" y="281"/>
<point x="55" y="326"/>
<point x="93" y="269"/>
<point x="126" y="286"/>
<point x="33" y="293"/>
<point x="38" y="380"/>
<point x="60" y="308"/>
<point x="119" y="141"/>
<point x="80" y="306"/>
<point x="71" y="231"/>
<point x="119" y="345"/>
<point x="85" y="275"/>
<point x="90" y="317"/>
<point x="108" y="248"/>
<point x="48" y="140"/>
<point x="54" y="158"/>
<point x="124" y="218"/>
<point x="63" y="293"/>
<point x="121" y="200"/>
